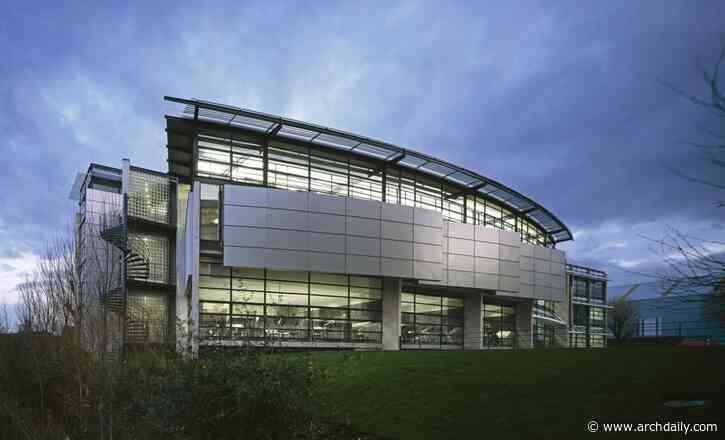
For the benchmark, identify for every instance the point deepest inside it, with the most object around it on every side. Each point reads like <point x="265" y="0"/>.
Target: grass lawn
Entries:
<point x="519" y="394"/>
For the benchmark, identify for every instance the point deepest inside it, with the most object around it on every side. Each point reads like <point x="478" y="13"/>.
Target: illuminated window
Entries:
<point x="430" y="319"/>
<point x="243" y="303"/>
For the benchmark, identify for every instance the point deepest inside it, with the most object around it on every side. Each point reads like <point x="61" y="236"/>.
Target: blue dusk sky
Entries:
<point x="560" y="100"/>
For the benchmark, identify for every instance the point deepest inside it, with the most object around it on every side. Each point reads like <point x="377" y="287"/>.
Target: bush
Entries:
<point x="51" y="390"/>
<point x="222" y="396"/>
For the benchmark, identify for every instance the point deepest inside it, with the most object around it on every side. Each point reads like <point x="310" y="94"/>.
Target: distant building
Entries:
<point x="692" y="317"/>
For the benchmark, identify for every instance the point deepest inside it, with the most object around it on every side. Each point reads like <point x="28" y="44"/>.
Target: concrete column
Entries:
<point x="187" y="270"/>
<point x="524" y="324"/>
<point x="472" y="321"/>
<point x="391" y="313"/>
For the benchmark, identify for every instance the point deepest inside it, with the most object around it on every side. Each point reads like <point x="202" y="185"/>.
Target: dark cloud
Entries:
<point x="561" y="101"/>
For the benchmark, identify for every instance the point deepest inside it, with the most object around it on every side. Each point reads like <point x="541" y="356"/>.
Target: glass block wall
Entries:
<point x="156" y="249"/>
<point x="147" y="318"/>
<point x="149" y="196"/>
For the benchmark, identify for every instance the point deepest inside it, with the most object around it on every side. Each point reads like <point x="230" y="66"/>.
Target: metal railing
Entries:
<point x="658" y="331"/>
<point x="550" y="337"/>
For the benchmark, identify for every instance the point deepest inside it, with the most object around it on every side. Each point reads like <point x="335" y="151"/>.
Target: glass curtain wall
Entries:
<point x="301" y="168"/>
<point x="431" y="320"/>
<point x="259" y="304"/>
<point x="209" y="212"/>
<point x="498" y="326"/>
<point x="544" y="336"/>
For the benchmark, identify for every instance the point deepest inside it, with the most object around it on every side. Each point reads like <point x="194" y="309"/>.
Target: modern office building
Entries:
<point x="267" y="230"/>
<point x="587" y="302"/>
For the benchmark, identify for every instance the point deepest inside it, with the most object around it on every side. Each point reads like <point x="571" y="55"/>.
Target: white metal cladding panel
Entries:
<point x="486" y="265"/>
<point x="544" y="270"/>
<point x="363" y="226"/>
<point x="487" y="258"/>
<point x="397" y="249"/>
<point x="481" y="257"/>
<point x="281" y="229"/>
<point x="485" y="234"/>
<point x="397" y="231"/>
<point x="326" y="204"/>
<point x="397" y="213"/>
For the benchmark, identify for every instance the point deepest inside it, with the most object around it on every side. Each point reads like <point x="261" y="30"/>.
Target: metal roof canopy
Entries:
<point x="382" y="151"/>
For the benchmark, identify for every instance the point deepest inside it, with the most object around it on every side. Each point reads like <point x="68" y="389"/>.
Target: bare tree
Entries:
<point x="53" y="297"/>
<point x="696" y="266"/>
<point x="5" y="325"/>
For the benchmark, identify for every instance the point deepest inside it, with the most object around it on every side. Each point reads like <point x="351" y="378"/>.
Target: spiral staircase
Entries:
<point x="135" y="264"/>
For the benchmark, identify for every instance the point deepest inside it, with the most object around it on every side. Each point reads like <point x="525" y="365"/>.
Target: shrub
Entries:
<point x="222" y="396"/>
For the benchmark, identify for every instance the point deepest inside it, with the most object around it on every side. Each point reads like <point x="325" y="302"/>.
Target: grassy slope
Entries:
<point x="517" y="394"/>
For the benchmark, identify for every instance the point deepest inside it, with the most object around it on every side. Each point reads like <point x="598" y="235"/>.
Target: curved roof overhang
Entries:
<point x="468" y="181"/>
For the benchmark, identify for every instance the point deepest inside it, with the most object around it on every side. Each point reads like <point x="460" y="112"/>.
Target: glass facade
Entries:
<point x="293" y="167"/>
<point x="498" y="326"/>
<point x="588" y="294"/>
<point x="430" y="319"/>
<point x="258" y="304"/>
<point x="209" y="212"/>
<point x="544" y="336"/>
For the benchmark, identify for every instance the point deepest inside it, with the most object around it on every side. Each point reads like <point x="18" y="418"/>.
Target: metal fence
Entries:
<point x="660" y="331"/>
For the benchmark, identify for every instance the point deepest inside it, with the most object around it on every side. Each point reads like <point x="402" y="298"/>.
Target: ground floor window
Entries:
<point x="544" y="336"/>
<point x="428" y="319"/>
<point x="596" y="341"/>
<point x="578" y="340"/>
<point x="498" y="326"/>
<point x="248" y="304"/>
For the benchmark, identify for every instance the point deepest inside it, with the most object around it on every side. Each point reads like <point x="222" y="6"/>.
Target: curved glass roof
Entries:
<point x="469" y="181"/>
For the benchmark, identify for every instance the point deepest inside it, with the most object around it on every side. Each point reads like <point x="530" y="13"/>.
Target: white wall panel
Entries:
<point x="397" y="231"/>
<point x="394" y="267"/>
<point x="319" y="242"/>
<point x="397" y="249"/>
<point x="426" y="234"/>
<point x="363" y="265"/>
<point x="245" y="216"/>
<point x="427" y="252"/>
<point x="245" y="196"/>
<point x="363" y="246"/>
<point x="459" y="246"/>
<point x="363" y="226"/>
<point x="279" y="198"/>
<point x="363" y="208"/>
<point x="281" y="229"/>
<point x="397" y="213"/>
<point x="485" y="233"/>
<point x="287" y="219"/>
<point x="488" y="250"/>
<point x="324" y="262"/>
<point x="486" y="265"/>
<point x="326" y="204"/>
<point x="330" y="223"/>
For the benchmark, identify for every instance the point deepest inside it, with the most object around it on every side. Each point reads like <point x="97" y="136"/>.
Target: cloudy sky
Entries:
<point x="559" y="100"/>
